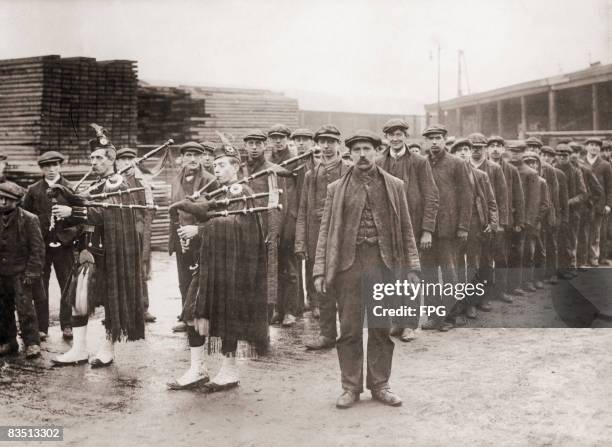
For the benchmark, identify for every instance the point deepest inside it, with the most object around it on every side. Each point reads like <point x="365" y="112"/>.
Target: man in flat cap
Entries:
<point x="452" y="221"/>
<point x="365" y="239"/>
<point x="58" y="240"/>
<point x="414" y="148"/>
<point x="271" y="220"/>
<point x="183" y="233"/>
<point x="421" y="193"/>
<point x="21" y="261"/>
<point x="290" y="302"/>
<point x="531" y="189"/>
<point x="208" y="156"/>
<point x="507" y="256"/>
<point x="108" y="271"/>
<point x="227" y="301"/>
<point x="603" y="172"/>
<point x="312" y="203"/>
<point x="494" y="241"/>
<point x="134" y="177"/>
<point x="303" y="139"/>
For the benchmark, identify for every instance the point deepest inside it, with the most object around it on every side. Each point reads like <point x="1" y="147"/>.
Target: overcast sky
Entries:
<point x="331" y="54"/>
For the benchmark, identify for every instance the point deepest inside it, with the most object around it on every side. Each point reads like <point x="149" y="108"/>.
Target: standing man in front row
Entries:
<point x="366" y="238"/>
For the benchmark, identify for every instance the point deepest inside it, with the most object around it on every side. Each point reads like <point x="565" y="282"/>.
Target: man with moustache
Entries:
<point x="456" y="195"/>
<point x="312" y="203"/>
<point x="183" y="232"/>
<point x="126" y="158"/>
<point x="505" y="282"/>
<point x="366" y="238"/>
<point x="552" y="241"/>
<point x="290" y="302"/>
<point x="495" y="240"/>
<point x="421" y="193"/>
<point x="603" y="173"/>
<point x="58" y="241"/>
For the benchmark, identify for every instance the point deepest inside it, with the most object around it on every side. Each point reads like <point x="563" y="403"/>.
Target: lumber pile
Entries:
<point x="48" y="102"/>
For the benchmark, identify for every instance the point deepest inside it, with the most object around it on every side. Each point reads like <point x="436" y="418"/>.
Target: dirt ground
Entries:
<point x="549" y="385"/>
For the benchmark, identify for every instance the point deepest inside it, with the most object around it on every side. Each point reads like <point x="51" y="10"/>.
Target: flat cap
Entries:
<point x="226" y="151"/>
<point x="11" y="190"/>
<point x="279" y="129"/>
<point x="435" y="129"/>
<point x="50" y="157"/>
<point x="306" y="133"/>
<point x="126" y="152"/>
<point x="209" y="146"/>
<point x="395" y="123"/>
<point x="534" y="141"/>
<point x="530" y="155"/>
<point x="2" y="155"/>
<point x="595" y="140"/>
<point x="477" y="139"/>
<point x="547" y="150"/>
<point x="563" y="149"/>
<point x="191" y="146"/>
<point x="575" y="146"/>
<point x="255" y="134"/>
<point x="363" y="135"/>
<point x="496" y="139"/>
<point x="460" y="142"/>
<point x="329" y="131"/>
<point x="517" y="146"/>
<point x="414" y="145"/>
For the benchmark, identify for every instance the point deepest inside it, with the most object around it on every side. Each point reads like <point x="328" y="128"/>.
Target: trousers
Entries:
<point x="15" y="295"/>
<point x="62" y="260"/>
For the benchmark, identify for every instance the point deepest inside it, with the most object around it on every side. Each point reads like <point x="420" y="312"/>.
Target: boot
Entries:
<point x="32" y="351"/>
<point x="78" y="353"/>
<point x="288" y="321"/>
<point x="227" y="376"/>
<point x="196" y="374"/>
<point x="105" y="355"/>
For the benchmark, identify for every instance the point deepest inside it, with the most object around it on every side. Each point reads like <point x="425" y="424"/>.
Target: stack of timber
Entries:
<point x="48" y="102"/>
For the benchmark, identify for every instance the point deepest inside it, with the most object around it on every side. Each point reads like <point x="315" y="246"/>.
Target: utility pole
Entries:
<point x="459" y="57"/>
<point x="439" y="107"/>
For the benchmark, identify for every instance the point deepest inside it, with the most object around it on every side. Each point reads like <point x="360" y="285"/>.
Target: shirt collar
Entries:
<point x="398" y="154"/>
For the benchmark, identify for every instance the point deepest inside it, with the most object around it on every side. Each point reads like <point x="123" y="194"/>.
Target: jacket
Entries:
<point x="516" y="197"/>
<point x="22" y="249"/>
<point x="498" y="182"/>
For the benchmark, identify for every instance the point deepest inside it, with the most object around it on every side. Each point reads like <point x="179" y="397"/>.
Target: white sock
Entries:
<point x="197" y="369"/>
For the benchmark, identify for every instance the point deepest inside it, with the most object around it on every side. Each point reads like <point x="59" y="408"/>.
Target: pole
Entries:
<point x="439" y="107"/>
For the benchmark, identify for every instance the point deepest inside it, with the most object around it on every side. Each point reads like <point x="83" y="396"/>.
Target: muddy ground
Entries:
<point x="544" y="385"/>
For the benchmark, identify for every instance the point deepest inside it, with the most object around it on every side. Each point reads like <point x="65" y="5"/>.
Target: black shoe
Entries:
<point x="148" y="318"/>
<point x="347" y="399"/>
<point x="387" y="397"/>
<point x="181" y="327"/>
<point x="321" y="343"/>
<point x="97" y="363"/>
<point x="485" y="306"/>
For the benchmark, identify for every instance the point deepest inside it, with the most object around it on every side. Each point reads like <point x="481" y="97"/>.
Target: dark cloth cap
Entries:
<point x="534" y="141"/>
<point x="127" y="152"/>
<point x="395" y="123"/>
<point x="530" y="155"/>
<point x="547" y="150"/>
<point x="279" y="129"/>
<point x="191" y="146"/>
<point x="460" y="142"/>
<point x="50" y="157"/>
<point x="563" y="149"/>
<point x="414" y="145"/>
<point x="517" y="146"/>
<point x="255" y="134"/>
<point x="477" y="139"/>
<point x="575" y="146"/>
<point x="363" y="135"/>
<point x="307" y="133"/>
<point x="11" y="190"/>
<point x="226" y="151"/>
<point x="327" y="130"/>
<point x="434" y="129"/>
<point x="209" y="146"/>
<point x="595" y="140"/>
<point x="496" y="139"/>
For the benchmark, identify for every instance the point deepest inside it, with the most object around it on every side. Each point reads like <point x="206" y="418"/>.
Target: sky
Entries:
<point x="377" y="56"/>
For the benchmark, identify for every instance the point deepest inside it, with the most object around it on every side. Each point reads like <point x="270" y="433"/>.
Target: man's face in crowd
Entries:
<point x="593" y="149"/>
<point x="207" y="159"/>
<point x="496" y="150"/>
<point x="303" y="143"/>
<point x="516" y="155"/>
<point x="255" y="148"/>
<point x="192" y="160"/>
<point x="414" y="150"/>
<point x="534" y="148"/>
<point x="51" y="171"/>
<point x="397" y="139"/>
<point x="329" y="148"/>
<point x="464" y="152"/>
<point x="435" y="143"/>
<point x="124" y="162"/>
<point x="477" y="152"/>
<point x="279" y="142"/>
<point x="101" y="164"/>
<point x="226" y="169"/>
<point x="562" y="158"/>
<point x="363" y="155"/>
<point x="548" y="157"/>
<point x="7" y="204"/>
